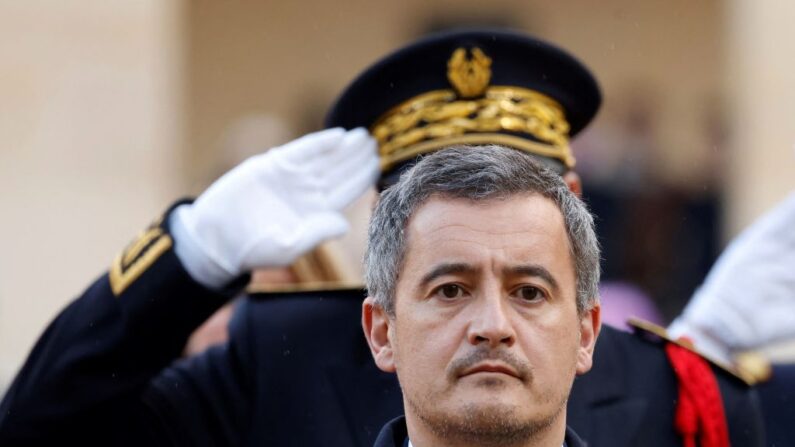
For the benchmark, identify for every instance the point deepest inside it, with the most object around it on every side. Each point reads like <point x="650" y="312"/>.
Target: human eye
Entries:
<point x="530" y="294"/>
<point x="449" y="292"/>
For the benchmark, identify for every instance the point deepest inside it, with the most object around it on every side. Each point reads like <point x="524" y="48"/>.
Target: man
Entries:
<point x="483" y="272"/>
<point x="296" y="370"/>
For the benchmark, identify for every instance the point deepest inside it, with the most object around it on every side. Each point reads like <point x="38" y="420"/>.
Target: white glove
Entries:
<point x="748" y="298"/>
<point x="274" y="207"/>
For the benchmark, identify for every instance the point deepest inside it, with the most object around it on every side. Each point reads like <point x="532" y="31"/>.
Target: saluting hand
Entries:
<point x="276" y="206"/>
<point x="748" y="298"/>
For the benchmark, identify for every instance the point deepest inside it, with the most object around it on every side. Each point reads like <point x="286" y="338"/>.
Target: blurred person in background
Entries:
<point x="747" y="302"/>
<point x="748" y="299"/>
<point x="296" y="369"/>
<point x="659" y="233"/>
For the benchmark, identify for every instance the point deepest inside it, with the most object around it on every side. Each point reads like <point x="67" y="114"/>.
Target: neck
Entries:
<point x="549" y="434"/>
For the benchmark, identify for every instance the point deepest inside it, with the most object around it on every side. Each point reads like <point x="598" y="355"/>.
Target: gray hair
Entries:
<point x="474" y="173"/>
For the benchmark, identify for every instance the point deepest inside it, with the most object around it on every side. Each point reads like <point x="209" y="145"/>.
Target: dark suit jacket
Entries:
<point x="296" y="372"/>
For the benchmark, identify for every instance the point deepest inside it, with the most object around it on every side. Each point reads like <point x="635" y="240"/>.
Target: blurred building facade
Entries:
<point x="112" y="110"/>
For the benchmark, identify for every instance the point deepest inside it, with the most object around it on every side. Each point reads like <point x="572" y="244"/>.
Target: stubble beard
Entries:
<point x="484" y="424"/>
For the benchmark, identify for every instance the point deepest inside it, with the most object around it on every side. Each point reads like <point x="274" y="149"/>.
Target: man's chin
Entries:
<point x="486" y="421"/>
<point x="478" y="408"/>
<point x="485" y="410"/>
<point x="495" y="398"/>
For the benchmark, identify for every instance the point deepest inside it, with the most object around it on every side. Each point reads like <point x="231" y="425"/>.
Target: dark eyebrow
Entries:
<point x="533" y="270"/>
<point x="446" y="269"/>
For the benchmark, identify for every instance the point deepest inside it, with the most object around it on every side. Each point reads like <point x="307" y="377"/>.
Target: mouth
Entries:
<point x="492" y="368"/>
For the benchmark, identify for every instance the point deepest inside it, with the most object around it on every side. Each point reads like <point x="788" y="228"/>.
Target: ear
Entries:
<point x="573" y="181"/>
<point x="590" y="324"/>
<point x="376" y="325"/>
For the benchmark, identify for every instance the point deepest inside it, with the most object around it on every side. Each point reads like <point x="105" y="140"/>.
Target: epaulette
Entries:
<point x="650" y="330"/>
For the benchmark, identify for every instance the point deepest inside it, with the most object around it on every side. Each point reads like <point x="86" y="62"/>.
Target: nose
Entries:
<point x="490" y="323"/>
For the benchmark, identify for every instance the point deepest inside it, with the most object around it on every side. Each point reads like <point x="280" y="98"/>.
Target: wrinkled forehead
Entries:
<point x="509" y="236"/>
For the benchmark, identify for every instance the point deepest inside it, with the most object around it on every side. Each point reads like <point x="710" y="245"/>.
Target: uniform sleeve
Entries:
<point x="205" y="400"/>
<point x="85" y="377"/>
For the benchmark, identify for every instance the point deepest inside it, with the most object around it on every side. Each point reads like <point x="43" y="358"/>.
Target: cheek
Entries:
<point x="425" y="343"/>
<point x="551" y="341"/>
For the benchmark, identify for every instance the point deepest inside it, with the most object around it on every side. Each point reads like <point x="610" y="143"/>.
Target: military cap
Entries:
<point x="480" y="86"/>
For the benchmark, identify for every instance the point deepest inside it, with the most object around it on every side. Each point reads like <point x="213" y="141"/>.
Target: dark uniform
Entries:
<point x="777" y="400"/>
<point x="296" y="370"/>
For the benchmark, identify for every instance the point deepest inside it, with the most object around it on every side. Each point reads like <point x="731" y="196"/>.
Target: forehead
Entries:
<point x="519" y="228"/>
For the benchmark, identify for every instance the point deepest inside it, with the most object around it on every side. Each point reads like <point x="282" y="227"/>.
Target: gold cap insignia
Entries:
<point x="469" y="75"/>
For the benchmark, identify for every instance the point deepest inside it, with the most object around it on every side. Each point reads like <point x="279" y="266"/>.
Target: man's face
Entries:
<point x="486" y="333"/>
